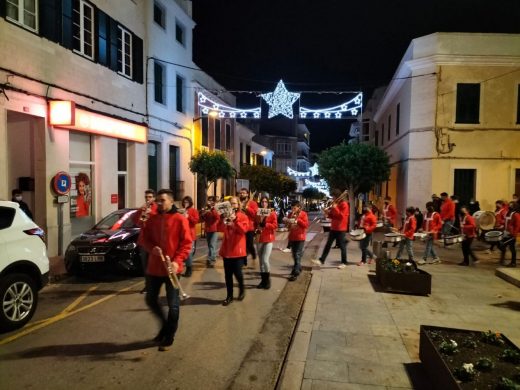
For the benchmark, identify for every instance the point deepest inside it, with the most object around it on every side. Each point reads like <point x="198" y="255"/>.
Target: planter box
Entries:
<point x="437" y="367"/>
<point x="418" y="283"/>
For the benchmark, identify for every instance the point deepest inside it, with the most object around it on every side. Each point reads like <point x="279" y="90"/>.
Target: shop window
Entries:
<point x="23" y="12"/>
<point x="83" y="28"/>
<point x="468" y="103"/>
<point x="124" y="52"/>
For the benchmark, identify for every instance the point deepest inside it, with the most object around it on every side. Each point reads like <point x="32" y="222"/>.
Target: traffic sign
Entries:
<point x="61" y="183"/>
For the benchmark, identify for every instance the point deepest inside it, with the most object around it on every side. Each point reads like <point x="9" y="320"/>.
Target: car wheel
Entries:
<point x="19" y="300"/>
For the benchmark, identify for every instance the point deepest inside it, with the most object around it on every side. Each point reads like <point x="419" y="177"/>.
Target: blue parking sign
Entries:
<point x="61" y="183"/>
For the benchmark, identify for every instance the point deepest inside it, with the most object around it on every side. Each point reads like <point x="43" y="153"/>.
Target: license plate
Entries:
<point x="92" y="259"/>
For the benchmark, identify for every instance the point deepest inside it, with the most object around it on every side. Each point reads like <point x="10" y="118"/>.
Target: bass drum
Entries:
<point x="485" y="220"/>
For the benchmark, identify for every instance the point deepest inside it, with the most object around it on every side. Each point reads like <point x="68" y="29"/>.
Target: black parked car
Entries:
<point x="109" y="247"/>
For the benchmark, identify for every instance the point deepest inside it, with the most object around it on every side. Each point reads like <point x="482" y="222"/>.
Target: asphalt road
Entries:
<point x="97" y="334"/>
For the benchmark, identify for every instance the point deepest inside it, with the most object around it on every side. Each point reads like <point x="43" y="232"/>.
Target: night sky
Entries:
<point x="326" y="45"/>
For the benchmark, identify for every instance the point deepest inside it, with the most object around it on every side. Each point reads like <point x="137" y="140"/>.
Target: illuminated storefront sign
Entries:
<point x="64" y="114"/>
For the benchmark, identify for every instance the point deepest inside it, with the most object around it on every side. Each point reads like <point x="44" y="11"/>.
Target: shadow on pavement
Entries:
<point x="192" y="301"/>
<point x="511" y="305"/>
<point x="375" y="283"/>
<point x="418" y="376"/>
<point x="97" y="351"/>
<point x="209" y="285"/>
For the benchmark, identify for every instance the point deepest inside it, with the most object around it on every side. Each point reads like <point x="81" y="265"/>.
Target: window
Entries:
<point x="121" y="174"/>
<point x="241" y="153"/>
<point x="83" y="28"/>
<point x="124" y="52"/>
<point x="382" y="134"/>
<point x="468" y="103"/>
<point x="248" y="154"/>
<point x="176" y="185"/>
<point x="205" y="132"/>
<point x="228" y="136"/>
<point x="158" y="15"/>
<point x="160" y="82"/>
<point x="283" y="148"/>
<point x="23" y="12"/>
<point x="464" y="184"/>
<point x="179" y="33"/>
<point x="217" y="134"/>
<point x="376" y="138"/>
<point x="153" y="165"/>
<point x="389" y="127"/>
<point x="180" y="93"/>
<point x="397" y="115"/>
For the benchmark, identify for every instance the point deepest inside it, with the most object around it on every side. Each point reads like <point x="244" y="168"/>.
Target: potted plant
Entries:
<point x="469" y="359"/>
<point x="403" y="276"/>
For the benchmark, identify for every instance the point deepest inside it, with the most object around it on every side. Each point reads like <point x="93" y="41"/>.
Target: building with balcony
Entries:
<point x="72" y="100"/>
<point x="450" y="119"/>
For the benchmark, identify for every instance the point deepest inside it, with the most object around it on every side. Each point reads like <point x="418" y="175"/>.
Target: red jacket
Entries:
<point x="250" y="211"/>
<point x="410" y="225"/>
<point x="170" y="232"/>
<point x="338" y="215"/>
<point x="389" y="213"/>
<point x="270" y="225"/>
<point x="368" y="222"/>
<point x="193" y="219"/>
<point x="298" y="230"/>
<point x="141" y="224"/>
<point x="234" y="241"/>
<point x="468" y="226"/>
<point x="500" y="216"/>
<point x="512" y="224"/>
<point x="211" y="219"/>
<point x="448" y="210"/>
<point x="432" y="223"/>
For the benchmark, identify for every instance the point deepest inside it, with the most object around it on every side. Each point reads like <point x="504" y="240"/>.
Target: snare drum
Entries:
<point x="393" y="237"/>
<point x="421" y="236"/>
<point x="493" y="236"/>
<point x="450" y="240"/>
<point x="357" y="235"/>
<point x="379" y="224"/>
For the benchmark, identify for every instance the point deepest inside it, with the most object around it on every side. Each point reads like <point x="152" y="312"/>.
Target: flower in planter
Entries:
<point x="465" y="373"/>
<point x="484" y="364"/>
<point x="510" y="355"/>
<point x="449" y="347"/>
<point x="469" y="343"/>
<point x="507" y="384"/>
<point x="494" y="338"/>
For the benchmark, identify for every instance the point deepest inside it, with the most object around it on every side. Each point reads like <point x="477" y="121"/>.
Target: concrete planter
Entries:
<point x="418" y="283"/>
<point x="437" y="365"/>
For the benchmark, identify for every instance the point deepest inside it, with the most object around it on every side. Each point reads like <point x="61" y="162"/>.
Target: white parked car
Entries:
<point x="24" y="266"/>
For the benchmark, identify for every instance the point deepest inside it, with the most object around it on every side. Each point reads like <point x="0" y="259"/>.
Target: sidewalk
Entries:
<point x="350" y="336"/>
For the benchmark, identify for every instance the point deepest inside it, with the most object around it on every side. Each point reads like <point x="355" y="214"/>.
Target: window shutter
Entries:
<point x="50" y="19"/>
<point x="113" y="44"/>
<point x="66" y="32"/>
<point x="137" y="58"/>
<point x="102" y="26"/>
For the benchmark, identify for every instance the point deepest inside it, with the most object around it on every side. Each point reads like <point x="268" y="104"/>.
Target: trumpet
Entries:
<point x="146" y="213"/>
<point x="172" y="275"/>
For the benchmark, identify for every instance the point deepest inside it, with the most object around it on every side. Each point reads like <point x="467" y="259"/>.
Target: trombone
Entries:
<point x="331" y="203"/>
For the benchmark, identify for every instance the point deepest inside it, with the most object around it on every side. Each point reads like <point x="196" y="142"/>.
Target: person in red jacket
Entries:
<point x="389" y="213"/>
<point x="148" y="209"/>
<point x="192" y="215"/>
<point x="368" y="223"/>
<point x="211" y="217"/>
<point x="511" y="231"/>
<point x="169" y="232"/>
<point x="233" y="248"/>
<point x="267" y="225"/>
<point x="298" y="223"/>
<point x="408" y="230"/>
<point x="250" y="209"/>
<point x="501" y="209"/>
<point x="431" y="226"/>
<point x="447" y="214"/>
<point x="338" y="214"/>
<point x="469" y="229"/>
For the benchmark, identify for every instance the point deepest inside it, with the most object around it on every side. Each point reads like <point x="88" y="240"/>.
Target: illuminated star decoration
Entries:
<point x="280" y="101"/>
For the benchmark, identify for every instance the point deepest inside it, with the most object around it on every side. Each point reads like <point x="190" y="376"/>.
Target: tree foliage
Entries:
<point x="211" y="166"/>
<point x="356" y="167"/>
<point x="266" y="179"/>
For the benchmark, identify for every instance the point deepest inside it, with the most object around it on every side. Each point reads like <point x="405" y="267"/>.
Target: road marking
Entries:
<point x="65" y="314"/>
<point x="79" y="299"/>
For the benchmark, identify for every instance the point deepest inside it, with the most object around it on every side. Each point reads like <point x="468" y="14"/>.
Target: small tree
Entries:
<point x="211" y="166"/>
<point x="265" y="179"/>
<point x="356" y="168"/>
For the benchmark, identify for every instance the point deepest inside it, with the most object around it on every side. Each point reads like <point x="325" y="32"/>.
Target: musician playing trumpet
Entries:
<point x="211" y="217"/>
<point x="249" y="207"/>
<point x="338" y="212"/>
<point x="266" y="224"/>
<point x="168" y="233"/>
<point x="142" y="215"/>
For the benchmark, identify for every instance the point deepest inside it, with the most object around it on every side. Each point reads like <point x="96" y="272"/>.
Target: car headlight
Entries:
<point x="127" y="247"/>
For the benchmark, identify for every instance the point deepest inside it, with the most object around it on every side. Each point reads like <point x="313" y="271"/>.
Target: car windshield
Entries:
<point x="120" y="219"/>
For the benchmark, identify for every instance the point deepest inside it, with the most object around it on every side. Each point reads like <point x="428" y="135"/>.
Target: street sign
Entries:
<point x="61" y="183"/>
<point x="62" y="199"/>
<point x="114" y="198"/>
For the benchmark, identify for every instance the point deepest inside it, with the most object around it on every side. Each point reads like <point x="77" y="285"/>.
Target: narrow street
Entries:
<point x="97" y="334"/>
